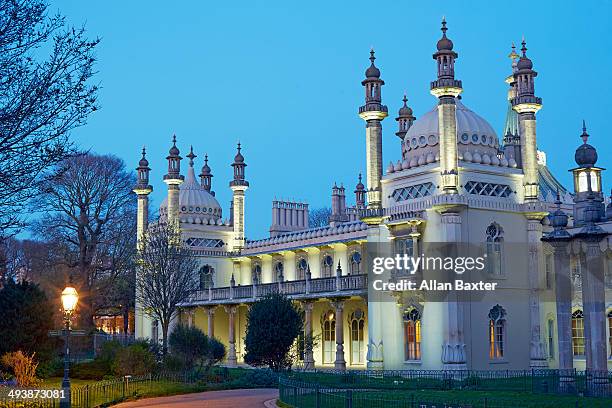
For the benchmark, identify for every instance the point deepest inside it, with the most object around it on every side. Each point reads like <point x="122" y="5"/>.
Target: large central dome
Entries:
<point x="196" y="205"/>
<point x="476" y="139"/>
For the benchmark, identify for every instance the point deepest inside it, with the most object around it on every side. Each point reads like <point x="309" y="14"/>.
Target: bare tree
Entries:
<point x="91" y="217"/>
<point x="41" y="99"/>
<point x="319" y="217"/>
<point x="166" y="276"/>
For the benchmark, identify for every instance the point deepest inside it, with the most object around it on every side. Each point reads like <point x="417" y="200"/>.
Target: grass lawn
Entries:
<point x="56" y="382"/>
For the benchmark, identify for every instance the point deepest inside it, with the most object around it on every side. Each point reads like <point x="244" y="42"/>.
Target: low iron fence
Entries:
<point x="537" y="381"/>
<point x="300" y="394"/>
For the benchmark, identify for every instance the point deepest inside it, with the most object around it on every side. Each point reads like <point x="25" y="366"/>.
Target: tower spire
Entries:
<point x="191" y="156"/>
<point x="404" y="119"/>
<point x="585" y="135"/>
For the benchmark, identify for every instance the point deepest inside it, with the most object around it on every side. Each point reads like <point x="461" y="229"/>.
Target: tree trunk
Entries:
<point x="165" y="326"/>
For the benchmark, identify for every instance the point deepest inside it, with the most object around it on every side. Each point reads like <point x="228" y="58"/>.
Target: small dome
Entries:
<point x="372" y="71"/>
<point x="524" y="63"/>
<point x="405" y="111"/>
<point x="239" y="158"/>
<point x="206" y="168"/>
<point x="586" y="155"/>
<point x="444" y="44"/>
<point x="359" y="186"/>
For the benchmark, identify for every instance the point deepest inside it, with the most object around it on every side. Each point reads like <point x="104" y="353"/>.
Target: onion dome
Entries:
<point x="174" y="151"/>
<point x="558" y="219"/>
<point x="206" y="168"/>
<point x="359" y="186"/>
<point x="239" y="158"/>
<point x="143" y="161"/>
<point x="524" y="63"/>
<point x="372" y="71"/>
<point x="444" y="43"/>
<point x="586" y="155"/>
<point x="405" y="110"/>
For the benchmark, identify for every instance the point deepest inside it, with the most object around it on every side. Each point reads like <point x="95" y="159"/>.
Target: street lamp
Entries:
<point x="70" y="298"/>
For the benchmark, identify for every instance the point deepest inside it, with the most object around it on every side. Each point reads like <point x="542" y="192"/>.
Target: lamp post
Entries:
<point x="70" y="299"/>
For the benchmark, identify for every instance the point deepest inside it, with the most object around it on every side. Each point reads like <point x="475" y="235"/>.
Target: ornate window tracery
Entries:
<point x="497" y="332"/>
<point x="412" y="192"/>
<point x="302" y="266"/>
<point x="488" y="189"/>
<point x="327" y="266"/>
<point x="495" y="241"/>
<point x="412" y="334"/>
<point x="355" y="263"/>
<point x="578" y="333"/>
<point x="328" y="328"/>
<point x="206" y="277"/>
<point x="357" y="325"/>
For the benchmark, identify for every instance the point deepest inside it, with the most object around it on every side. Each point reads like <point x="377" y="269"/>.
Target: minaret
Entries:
<point x="512" y="139"/>
<point x="526" y="104"/>
<point x="206" y="176"/>
<point x="404" y="119"/>
<point x="173" y="179"/>
<point x="446" y="88"/>
<point x="360" y="199"/>
<point x="142" y="190"/>
<point x="373" y="112"/>
<point x="238" y="186"/>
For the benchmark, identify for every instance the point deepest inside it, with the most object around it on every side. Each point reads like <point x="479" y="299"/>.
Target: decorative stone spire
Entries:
<point x="373" y="112"/>
<point x="174" y="162"/>
<point x="445" y="56"/>
<point x="239" y="166"/>
<point x="524" y="78"/>
<point x="206" y="176"/>
<point x="191" y="156"/>
<point x="404" y="119"/>
<point x="360" y="196"/>
<point x="143" y="173"/>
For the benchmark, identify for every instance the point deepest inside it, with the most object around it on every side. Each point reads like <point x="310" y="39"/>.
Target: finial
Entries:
<point x="513" y="55"/>
<point x="558" y="201"/>
<point x="405" y="99"/>
<point x="585" y="135"/>
<point x="372" y="57"/>
<point x="360" y="177"/>
<point x="239" y="147"/>
<point x="444" y="29"/>
<point x="205" y="158"/>
<point x="191" y="156"/>
<point x="174" y="139"/>
<point x="524" y="47"/>
<point x="144" y="151"/>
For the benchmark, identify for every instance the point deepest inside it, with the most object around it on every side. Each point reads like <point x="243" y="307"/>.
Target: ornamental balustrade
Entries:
<point x="335" y="286"/>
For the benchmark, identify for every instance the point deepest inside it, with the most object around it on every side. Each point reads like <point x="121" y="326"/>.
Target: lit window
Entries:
<point x="412" y="334"/>
<point x="357" y="322"/>
<point x="328" y="323"/>
<point x="578" y="333"/>
<point x="497" y="332"/>
<point x="583" y="182"/>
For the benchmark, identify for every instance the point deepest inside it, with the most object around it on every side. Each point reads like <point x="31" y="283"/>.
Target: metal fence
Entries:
<point x="104" y="392"/>
<point x="537" y="381"/>
<point x="308" y="395"/>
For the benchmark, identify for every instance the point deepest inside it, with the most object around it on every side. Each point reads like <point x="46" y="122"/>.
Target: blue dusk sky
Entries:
<point x="284" y="79"/>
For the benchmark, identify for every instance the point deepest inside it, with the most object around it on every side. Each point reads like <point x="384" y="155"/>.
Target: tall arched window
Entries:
<point x="578" y="333"/>
<point x="206" y="277"/>
<point x="278" y="271"/>
<point x="404" y="246"/>
<point x="357" y="323"/>
<point x="355" y="263"/>
<point x="551" y="338"/>
<point x="495" y="239"/>
<point x="412" y="334"/>
<point x="497" y="332"/>
<point x="328" y="326"/>
<point x="256" y="277"/>
<point x="302" y="266"/>
<point x="327" y="266"/>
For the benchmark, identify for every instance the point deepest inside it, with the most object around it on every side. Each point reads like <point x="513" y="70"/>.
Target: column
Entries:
<point x="453" y="346"/>
<point x="527" y="124"/>
<point x="447" y="123"/>
<point x="309" y="363"/>
<point x="593" y="300"/>
<point x="340" y="363"/>
<point x="537" y="351"/>
<point x="210" y="311"/>
<point x="231" y="353"/>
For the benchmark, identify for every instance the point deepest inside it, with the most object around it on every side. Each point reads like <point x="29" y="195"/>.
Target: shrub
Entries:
<point x="23" y="367"/>
<point x="133" y="360"/>
<point x="195" y="348"/>
<point x="90" y="370"/>
<point x="273" y="324"/>
<point x="109" y="351"/>
<point x="173" y="363"/>
<point x="258" y="378"/>
<point x="49" y="368"/>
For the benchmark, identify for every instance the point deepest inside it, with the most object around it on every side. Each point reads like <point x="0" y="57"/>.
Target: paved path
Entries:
<point x="211" y="399"/>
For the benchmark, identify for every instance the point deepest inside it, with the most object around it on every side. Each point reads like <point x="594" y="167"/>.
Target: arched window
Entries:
<point x="497" y="332"/>
<point x="327" y="266"/>
<point x="551" y="338"/>
<point x="412" y="334"/>
<point x="206" y="277"/>
<point x="578" y="333"/>
<point x="355" y="263"/>
<point x="302" y="266"/>
<point x="278" y="271"/>
<point x="357" y="324"/>
<point x="495" y="239"/>
<point x="328" y="327"/>
<point x="256" y="274"/>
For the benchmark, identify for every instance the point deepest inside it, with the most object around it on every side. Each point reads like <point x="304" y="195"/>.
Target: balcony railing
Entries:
<point x="338" y="285"/>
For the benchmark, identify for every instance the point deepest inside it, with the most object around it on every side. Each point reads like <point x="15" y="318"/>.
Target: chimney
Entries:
<point x="338" y="214"/>
<point x="288" y="216"/>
